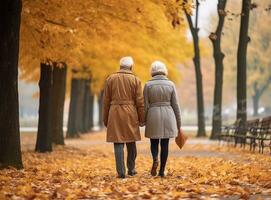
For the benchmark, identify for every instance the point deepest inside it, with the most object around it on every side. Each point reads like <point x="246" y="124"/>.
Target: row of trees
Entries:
<point x="50" y="43"/>
<point x="257" y="63"/>
<point x="51" y="108"/>
<point x="251" y="69"/>
<point x="52" y="95"/>
<point x="215" y="38"/>
<point x="81" y="105"/>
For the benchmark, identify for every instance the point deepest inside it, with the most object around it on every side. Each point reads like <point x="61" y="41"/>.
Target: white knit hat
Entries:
<point x="157" y="67"/>
<point x="126" y="62"/>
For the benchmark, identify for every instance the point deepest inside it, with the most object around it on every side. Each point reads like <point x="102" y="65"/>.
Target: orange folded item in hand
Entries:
<point x="180" y="139"/>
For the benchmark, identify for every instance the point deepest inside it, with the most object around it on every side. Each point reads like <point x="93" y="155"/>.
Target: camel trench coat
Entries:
<point x="123" y="107"/>
<point x="162" y="110"/>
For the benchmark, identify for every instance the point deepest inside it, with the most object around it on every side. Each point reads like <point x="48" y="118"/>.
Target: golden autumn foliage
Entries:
<point x="85" y="169"/>
<point x="97" y="33"/>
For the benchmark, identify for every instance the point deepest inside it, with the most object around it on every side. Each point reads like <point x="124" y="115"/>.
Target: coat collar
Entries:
<point x="159" y="77"/>
<point x="125" y="71"/>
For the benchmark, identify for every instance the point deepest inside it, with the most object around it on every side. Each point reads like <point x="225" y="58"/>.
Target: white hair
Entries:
<point x="157" y="67"/>
<point x="126" y="62"/>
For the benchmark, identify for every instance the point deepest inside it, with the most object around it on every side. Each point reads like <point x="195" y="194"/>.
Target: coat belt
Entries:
<point x="122" y="102"/>
<point x="159" y="104"/>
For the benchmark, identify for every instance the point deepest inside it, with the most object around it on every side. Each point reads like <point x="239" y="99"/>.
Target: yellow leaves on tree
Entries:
<point x="97" y="33"/>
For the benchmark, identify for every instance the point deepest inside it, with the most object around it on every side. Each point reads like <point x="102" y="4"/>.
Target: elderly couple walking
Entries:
<point x="126" y="108"/>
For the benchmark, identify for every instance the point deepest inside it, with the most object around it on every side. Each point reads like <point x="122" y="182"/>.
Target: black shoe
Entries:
<point x="132" y="173"/>
<point x="154" y="168"/>
<point x="161" y="174"/>
<point x="122" y="176"/>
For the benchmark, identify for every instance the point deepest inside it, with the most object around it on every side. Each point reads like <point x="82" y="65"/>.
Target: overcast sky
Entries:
<point x="206" y="10"/>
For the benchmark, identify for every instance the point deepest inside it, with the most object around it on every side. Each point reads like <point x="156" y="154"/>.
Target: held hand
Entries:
<point x="179" y="130"/>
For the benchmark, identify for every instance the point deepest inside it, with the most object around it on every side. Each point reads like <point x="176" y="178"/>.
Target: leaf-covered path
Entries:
<point x="85" y="168"/>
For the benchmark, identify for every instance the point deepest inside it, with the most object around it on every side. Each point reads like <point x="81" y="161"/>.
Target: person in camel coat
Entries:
<point x="123" y="113"/>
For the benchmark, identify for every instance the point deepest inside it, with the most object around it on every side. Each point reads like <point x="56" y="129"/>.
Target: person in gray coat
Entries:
<point x="162" y="114"/>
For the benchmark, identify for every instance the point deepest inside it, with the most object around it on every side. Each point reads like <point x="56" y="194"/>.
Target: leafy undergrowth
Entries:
<point x="73" y="173"/>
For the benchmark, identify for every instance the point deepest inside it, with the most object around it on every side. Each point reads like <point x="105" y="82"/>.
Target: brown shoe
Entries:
<point x="154" y="168"/>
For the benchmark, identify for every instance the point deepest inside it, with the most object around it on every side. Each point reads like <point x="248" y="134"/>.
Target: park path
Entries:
<point x="195" y="147"/>
<point x="198" y="147"/>
<point x="191" y="148"/>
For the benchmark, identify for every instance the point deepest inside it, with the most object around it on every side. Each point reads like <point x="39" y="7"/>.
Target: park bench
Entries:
<point x="264" y="134"/>
<point x="228" y="132"/>
<point x="254" y="132"/>
<point x="249" y="132"/>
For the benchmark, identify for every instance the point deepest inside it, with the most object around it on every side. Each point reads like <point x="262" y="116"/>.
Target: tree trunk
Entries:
<point x="86" y="109"/>
<point x="200" y="99"/>
<point x="72" y="131"/>
<point x="80" y="106"/>
<point x="91" y="108"/>
<point x="10" y="148"/>
<point x="59" y="92"/>
<point x="91" y="112"/>
<point x="100" y="101"/>
<point x="217" y="104"/>
<point x="44" y="137"/>
<point x="196" y="60"/>
<point x="241" y="63"/>
<point x="219" y="68"/>
<point x="255" y="100"/>
<point x="258" y="92"/>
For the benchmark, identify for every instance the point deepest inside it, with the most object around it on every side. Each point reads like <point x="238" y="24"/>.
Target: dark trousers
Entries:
<point x="119" y="157"/>
<point x="163" y="154"/>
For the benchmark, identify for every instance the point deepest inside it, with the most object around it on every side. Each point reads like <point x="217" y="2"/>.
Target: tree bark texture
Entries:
<point x="86" y="108"/>
<point x="10" y="148"/>
<point x="219" y="68"/>
<point x="44" y="137"/>
<point x="72" y="131"/>
<point x="242" y="63"/>
<point x="199" y="85"/>
<point x="59" y="92"/>
<point x="91" y="112"/>
<point x="80" y="106"/>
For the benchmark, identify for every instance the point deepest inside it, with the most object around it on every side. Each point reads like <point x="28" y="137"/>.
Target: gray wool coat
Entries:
<point x="162" y="112"/>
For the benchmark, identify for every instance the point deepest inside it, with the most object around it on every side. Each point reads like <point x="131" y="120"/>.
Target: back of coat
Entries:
<point x="161" y="108"/>
<point x="123" y="107"/>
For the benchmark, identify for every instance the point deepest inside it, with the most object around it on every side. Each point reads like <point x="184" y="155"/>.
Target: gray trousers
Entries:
<point x="119" y="157"/>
